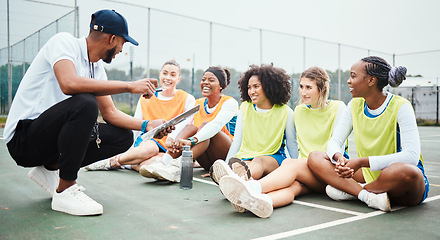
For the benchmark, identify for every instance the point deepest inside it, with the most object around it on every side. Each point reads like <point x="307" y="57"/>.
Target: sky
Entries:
<point x="385" y="27"/>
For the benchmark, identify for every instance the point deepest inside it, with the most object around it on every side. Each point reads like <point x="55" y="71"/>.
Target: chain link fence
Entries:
<point x="197" y="44"/>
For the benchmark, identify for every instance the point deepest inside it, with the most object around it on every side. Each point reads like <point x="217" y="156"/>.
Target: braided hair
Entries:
<point x="385" y="74"/>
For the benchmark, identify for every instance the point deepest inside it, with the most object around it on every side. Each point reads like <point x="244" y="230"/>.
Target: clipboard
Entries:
<point x="179" y="118"/>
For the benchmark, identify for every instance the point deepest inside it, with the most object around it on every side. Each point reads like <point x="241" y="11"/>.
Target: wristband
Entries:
<point x="193" y="141"/>
<point x="144" y="125"/>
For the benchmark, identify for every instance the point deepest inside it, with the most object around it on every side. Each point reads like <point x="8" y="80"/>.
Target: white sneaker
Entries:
<point x="171" y="172"/>
<point x="149" y="171"/>
<point x="238" y="192"/>
<point x="338" y="195"/>
<point x="45" y="178"/>
<point x="75" y="202"/>
<point x="240" y="167"/>
<point x="220" y="169"/>
<point x="99" y="165"/>
<point x="378" y="201"/>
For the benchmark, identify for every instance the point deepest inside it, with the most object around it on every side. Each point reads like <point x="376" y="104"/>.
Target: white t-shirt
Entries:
<point x="39" y="89"/>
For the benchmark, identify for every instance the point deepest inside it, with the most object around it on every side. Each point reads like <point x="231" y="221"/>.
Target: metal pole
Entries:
<point x="436" y="121"/>
<point x="394" y="59"/>
<point x="192" y="74"/>
<point x="339" y="71"/>
<point x="261" y="46"/>
<point x="24" y="56"/>
<point x="148" y="43"/>
<point x="412" y="99"/>
<point x="38" y="40"/>
<point x="131" y="78"/>
<point x="304" y="53"/>
<point x="210" y="43"/>
<point x="76" y="20"/>
<point x="9" y="62"/>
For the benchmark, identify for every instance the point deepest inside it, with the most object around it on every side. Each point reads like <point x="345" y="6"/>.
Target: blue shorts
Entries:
<point x="425" y="195"/>
<point x="139" y="140"/>
<point x="161" y="148"/>
<point x="279" y="156"/>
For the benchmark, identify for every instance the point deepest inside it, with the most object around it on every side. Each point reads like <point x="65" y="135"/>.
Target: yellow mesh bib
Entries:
<point x="262" y="132"/>
<point x="375" y="136"/>
<point x="314" y="127"/>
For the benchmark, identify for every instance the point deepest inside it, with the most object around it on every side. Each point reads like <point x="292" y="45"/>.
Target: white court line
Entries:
<point x="328" y="208"/>
<point x="333" y="223"/>
<point x="320" y="226"/>
<point x="204" y="181"/>
<point x="432" y="199"/>
<point x="300" y="202"/>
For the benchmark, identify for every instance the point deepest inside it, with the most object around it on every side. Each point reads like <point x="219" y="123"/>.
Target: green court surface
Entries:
<point x="141" y="208"/>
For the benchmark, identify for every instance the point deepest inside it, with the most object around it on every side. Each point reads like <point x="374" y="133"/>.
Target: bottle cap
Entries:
<point x="186" y="148"/>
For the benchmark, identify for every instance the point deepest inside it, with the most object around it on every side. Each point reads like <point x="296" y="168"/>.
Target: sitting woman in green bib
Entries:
<point x="314" y="119"/>
<point x="389" y="167"/>
<point x="264" y="125"/>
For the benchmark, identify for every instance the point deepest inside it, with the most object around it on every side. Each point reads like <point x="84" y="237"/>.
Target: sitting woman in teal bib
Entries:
<point x="389" y="167"/>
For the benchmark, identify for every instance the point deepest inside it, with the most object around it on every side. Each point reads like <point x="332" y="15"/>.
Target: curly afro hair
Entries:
<point x="275" y="82"/>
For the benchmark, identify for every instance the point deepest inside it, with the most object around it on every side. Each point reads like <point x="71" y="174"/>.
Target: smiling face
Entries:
<point x="210" y="85"/>
<point x="359" y="80"/>
<point x="256" y="93"/>
<point x="309" y="92"/>
<point x="169" y="76"/>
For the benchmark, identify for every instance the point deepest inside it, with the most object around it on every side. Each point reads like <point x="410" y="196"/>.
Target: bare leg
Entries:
<point x="64" y="184"/>
<point x="291" y="170"/>
<point x="403" y="182"/>
<point x="323" y="169"/>
<point x="146" y="162"/>
<point x="133" y="156"/>
<point x="261" y="166"/>
<point x="285" y="196"/>
<point x="215" y="148"/>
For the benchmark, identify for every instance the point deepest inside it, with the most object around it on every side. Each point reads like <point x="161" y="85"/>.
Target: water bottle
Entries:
<point x="186" y="174"/>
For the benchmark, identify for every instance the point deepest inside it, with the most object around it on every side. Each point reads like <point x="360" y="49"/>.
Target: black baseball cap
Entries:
<point x="110" y="21"/>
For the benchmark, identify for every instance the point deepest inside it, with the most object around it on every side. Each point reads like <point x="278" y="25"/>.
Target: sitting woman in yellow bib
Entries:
<point x="264" y="125"/>
<point x="314" y="120"/>
<point x="389" y="167"/>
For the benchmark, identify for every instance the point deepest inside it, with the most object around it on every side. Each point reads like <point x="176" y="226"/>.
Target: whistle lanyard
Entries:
<point x="96" y="127"/>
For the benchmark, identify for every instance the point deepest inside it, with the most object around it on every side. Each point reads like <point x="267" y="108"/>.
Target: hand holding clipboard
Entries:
<point x="179" y="118"/>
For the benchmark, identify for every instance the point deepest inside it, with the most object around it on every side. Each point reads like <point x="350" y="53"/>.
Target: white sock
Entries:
<point x="167" y="158"/>
<point x="107" y="164"/>
<point x="127" y="166"/>
<point x="267" y="198"/>
<point x="255" y="185"/>
<point x="362" y="195"/>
